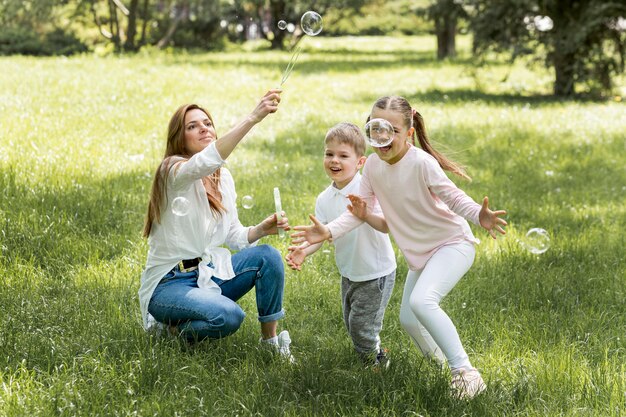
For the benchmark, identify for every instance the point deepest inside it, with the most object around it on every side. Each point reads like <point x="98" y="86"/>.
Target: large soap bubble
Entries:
<point x="311" y="23"/>
<point x="180" y="206"/>
<point x="379" y="133"/>
<point x="537" y="241"/>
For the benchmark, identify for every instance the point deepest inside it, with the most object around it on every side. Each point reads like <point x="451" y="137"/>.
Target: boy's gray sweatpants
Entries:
<point x="364" y="304"/>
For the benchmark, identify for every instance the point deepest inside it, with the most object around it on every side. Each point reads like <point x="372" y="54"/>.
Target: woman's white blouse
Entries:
<point x="199" y="233"/>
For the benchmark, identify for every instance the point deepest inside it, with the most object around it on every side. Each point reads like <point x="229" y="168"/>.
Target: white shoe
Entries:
<point x="283" y="346"/>
<point x="467" y="383"/>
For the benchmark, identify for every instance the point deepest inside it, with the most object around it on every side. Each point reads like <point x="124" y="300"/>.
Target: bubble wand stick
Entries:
<point x="290" y="65"/>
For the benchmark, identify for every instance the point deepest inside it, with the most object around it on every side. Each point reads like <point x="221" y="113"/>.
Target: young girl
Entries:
<point x="191" y="283"/>
<point x="425" y="213"/>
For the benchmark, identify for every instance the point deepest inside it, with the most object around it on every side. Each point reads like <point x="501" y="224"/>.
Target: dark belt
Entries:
<point x="187" y="265"/>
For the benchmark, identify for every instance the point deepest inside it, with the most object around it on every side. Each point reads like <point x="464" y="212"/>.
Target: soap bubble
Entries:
<point x="543" y="23"/>
<point x="537" y="241"/>
<point x="282" y="25"/>
<point x="180" y="206"/>
<point x="326" y="252"/>
<point x="311" y="23"/>
<point x="379" y="133"/>
<point x="247" y="202"/>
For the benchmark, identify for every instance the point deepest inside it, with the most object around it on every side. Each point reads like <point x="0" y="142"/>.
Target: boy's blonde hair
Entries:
<point x="347" y="133"/>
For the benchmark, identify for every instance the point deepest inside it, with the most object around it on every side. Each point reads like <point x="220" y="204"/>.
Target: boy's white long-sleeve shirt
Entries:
<point x="423" y="208"/>
<point x="364" y="253"/>
<point x="199" y="233"/>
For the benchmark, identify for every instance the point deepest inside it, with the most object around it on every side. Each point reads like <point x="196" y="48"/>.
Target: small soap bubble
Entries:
<point x="180" y="206"/>
<point x="537" y="241"/>
<point x="247" y="202"/>
<point x="379" y="133"/>
<point x="464" y="305"/>
<point x="282" y="25"/>
<point x="311" y="23"/>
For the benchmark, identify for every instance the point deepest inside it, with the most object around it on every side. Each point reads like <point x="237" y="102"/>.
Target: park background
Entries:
<point x="83" y="119"/>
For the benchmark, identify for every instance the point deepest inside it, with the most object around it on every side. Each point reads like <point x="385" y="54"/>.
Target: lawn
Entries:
<point x="82" y="136"/>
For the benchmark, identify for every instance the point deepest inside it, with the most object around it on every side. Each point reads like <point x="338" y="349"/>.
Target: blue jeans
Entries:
<point x="200" y="313"/>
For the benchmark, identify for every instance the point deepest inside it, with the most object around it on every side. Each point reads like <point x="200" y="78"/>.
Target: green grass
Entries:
<point x="81" y="137"/>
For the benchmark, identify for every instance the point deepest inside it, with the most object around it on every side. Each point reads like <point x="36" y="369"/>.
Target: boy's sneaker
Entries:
<point x="283" y="346"/>
<point x="381" y="360"/>
<point x="467" y="383"/>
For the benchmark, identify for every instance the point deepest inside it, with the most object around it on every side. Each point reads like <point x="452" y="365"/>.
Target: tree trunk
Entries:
<point x="277" y="10"/>
<point x="114" y="26"/>
<point x="277" y="40"/>
<point x="131" y="30"/>
<point x="182" y="14"/>
<point x="564" y="72"/>
<point x="145" y="16"/>
<point x="445" y="28"/>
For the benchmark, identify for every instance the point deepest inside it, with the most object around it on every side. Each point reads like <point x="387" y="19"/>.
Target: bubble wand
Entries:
<point x="311" y="24"/>
<point x="279" y="211"/>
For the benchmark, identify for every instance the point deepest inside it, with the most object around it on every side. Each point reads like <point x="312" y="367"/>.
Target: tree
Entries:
<point x="582" y="40"/>
<point x="445" y="14"/>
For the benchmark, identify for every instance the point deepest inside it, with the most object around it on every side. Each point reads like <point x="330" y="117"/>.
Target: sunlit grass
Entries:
<point x="82" y="136"/>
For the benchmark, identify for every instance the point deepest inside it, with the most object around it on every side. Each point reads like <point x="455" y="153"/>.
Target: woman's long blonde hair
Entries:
<point x="412" y="118"/>
<point x="176" y="147"/>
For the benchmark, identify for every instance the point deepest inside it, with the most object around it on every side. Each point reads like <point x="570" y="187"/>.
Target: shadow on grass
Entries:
<point x="73" y="223"/>
<point x="467" y="96"/>
<point x="323" y="61"/>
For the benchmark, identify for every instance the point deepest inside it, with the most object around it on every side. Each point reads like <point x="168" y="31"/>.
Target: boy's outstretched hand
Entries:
<point x="315" y="233"/>
<point x="296" y="256"/>
<point x="490" y="220"/>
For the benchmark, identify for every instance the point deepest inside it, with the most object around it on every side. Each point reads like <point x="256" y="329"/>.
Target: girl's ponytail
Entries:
<point x="422" y="137"/>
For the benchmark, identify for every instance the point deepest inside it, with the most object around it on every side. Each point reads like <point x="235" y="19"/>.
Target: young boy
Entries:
<point x="364" y="256"/>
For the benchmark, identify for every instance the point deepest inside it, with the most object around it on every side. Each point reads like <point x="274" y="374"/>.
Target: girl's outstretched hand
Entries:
<point x="315" y="233"/>
<point x="357" y="206"/>
<point x="490" y="220"/>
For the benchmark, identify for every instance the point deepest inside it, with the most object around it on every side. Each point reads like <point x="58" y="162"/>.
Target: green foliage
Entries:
<point x="584" y="46"/>
<point x="378" y="18"/>
<point x="76" y="160"/>
<point x="21" y="41"/>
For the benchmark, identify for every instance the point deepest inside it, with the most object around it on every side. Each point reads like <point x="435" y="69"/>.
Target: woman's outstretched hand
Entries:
<point x="268" y="104"/>
<point x="315" y="233"/>
<point x="490" y="220"/>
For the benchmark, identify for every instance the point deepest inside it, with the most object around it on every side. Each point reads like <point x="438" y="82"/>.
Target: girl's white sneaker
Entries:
<point x="467" y="383"/>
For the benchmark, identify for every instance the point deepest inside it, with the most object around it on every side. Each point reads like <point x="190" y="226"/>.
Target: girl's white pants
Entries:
<point x="420" y="315"/>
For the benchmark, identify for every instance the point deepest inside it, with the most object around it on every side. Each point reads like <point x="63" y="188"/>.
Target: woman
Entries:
<point x="191" y="283"/>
